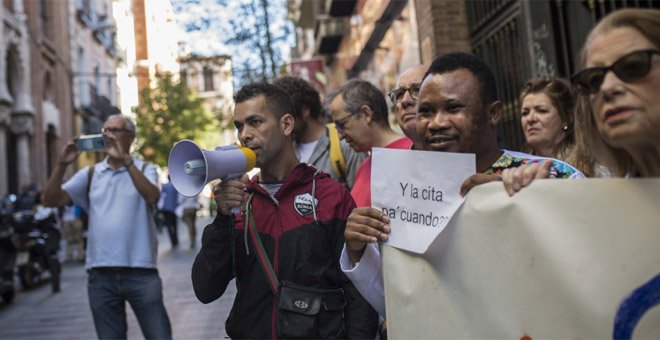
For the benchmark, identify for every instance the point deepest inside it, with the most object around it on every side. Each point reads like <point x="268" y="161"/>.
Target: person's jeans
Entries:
<point x="189" y="216"/>
<point x="110" y="288"/>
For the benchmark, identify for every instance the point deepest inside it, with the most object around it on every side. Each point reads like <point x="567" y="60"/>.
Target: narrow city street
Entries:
<point x="40" y="314"/>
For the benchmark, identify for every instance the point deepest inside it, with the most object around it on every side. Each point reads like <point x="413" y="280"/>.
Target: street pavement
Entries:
<point x="40" y="314"/>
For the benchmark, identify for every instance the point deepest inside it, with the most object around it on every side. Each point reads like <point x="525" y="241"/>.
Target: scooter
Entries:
<point x="38" y="245"/>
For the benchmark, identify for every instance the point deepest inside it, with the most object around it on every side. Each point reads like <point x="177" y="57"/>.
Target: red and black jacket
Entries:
<point x="302" y="244"/>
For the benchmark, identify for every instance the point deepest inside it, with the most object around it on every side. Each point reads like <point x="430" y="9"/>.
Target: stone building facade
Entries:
<point x="35" y="99"/>
<point x="94" y="58"/>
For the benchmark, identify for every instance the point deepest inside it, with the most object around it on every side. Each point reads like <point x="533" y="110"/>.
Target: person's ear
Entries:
<point x="366" y="111"/>
<point x="286" y="124"/>
<point x="495" y="112"/>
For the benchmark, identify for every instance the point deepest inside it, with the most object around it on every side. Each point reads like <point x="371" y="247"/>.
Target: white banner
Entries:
<point x="418" y="201"/>
<point x="561" y="259"/>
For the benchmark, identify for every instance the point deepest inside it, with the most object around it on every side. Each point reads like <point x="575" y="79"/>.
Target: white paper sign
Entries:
<point x="419" y="191"/>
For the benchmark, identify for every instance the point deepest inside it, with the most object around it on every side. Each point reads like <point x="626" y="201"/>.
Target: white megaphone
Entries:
<point x="191" y="167"/>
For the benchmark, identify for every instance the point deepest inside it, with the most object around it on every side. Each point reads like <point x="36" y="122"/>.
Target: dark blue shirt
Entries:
<point x="170" y="197"/>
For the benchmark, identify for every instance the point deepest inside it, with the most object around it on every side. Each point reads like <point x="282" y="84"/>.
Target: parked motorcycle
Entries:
<point x="38" y="242"/>
<point x="7" y="252"/>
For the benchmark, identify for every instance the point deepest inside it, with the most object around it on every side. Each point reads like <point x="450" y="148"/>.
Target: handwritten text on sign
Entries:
<point x="419" y="191"/>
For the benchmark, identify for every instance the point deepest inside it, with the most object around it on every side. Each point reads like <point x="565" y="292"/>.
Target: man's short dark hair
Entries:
<point x="458" y="60"/>
<point x="302" y="94"/>
<point x="276" y="99"/>
<point x="357" y="92"/>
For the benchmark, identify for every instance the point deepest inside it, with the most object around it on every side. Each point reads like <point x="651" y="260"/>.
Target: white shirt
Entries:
<point x="122" y="231"/>
<point x="305" y="150"/>
<point x="366" y="276"/>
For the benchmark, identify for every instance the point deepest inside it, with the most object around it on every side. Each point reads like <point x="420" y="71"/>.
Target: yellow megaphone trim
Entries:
<point x="250" y="158"/>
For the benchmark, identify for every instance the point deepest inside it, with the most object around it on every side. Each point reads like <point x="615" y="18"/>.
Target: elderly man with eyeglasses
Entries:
<point x="121" y="243"/>
<point x="404" y="97"/>
<point x="360" y="114"/>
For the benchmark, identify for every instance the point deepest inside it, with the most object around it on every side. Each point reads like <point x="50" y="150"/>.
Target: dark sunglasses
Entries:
<point x="396" y="95"/>
<point x="630" y="67"/>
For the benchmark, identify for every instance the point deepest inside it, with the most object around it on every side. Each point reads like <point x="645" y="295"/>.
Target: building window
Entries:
<point x="84" y="11"/>
<point x="208" y="79"/>
<point x="44" y="16"/>
<point x="48" y="94"/>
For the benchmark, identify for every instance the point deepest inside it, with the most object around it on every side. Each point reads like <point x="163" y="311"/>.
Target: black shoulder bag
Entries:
<point x="302" y="312"/>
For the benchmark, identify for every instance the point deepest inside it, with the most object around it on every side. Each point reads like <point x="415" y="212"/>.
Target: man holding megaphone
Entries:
<point x="283" y="246"/>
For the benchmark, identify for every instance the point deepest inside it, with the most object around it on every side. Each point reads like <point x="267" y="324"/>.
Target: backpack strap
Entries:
<point x="90" y="175"/>
<point x="336" y="156"/>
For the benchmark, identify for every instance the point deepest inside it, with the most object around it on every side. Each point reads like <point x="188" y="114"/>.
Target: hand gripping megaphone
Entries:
<point x="191" y="167"/>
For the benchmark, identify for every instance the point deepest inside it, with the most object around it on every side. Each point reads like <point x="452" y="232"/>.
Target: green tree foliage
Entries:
<point x="169" y="113"/>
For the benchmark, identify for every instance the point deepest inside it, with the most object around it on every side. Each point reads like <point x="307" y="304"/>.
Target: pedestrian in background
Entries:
<point x="169" y="199"/>
<point x="187" y="210"/>
<point x="122" y="243"/>
<point x="28" y="198"/>
<point x="72" y="227"/>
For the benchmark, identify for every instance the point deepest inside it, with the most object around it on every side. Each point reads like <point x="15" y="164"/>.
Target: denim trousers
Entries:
<point x="110" y="288"/>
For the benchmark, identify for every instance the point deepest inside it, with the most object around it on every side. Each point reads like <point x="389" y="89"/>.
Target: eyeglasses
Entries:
<point x="115" y="130"/>
<point x="396" y="95"/>
<point x="630" y="67"/>
<point x="341" y="123"/>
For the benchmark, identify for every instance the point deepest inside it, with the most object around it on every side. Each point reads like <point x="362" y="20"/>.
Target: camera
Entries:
<point x="91" y="143"/>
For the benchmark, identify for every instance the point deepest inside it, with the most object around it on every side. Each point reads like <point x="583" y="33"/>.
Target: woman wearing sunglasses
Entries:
<point x="619" y="98"/>
<point x="617" y="120"/>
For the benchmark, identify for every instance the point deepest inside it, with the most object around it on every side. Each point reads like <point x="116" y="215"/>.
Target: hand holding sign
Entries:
<point x="364" y="225"/>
